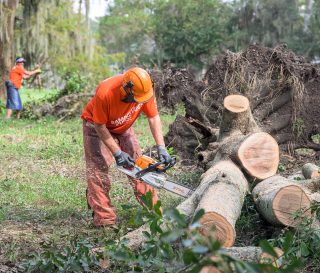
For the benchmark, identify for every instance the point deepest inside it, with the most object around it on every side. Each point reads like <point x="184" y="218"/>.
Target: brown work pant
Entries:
<point x="98" y="160"/>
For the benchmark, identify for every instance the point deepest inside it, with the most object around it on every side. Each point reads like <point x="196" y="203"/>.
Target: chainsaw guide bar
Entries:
<point x="153" y="174"/>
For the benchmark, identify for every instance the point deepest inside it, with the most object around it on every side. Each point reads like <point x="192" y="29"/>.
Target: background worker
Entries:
<point x="108" y="134"/>
<point x="16" y="76"/>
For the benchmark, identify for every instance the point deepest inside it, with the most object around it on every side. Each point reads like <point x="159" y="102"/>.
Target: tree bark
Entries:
<point x="278" y="200"/>
<point x="313" y="185"/>
<point x="310" y="170"/>
<point x="7" y="15"/>
<point x="222" y="180"/>
<point x="252" y="254"/>
<point x="222" y="202"/>
<point x="223" y="186"/>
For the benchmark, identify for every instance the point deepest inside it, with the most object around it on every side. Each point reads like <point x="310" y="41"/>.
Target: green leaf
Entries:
<point x="198" y="216"/>
<point x="147" y="200"/>
<point x="157" y="208"/>
<point x="155" y="228"/>
<point x="267" y="248"/>
<point x="288" y="241"/>
<point x="304" y="249"/>
<point x="179" y="218"/>
<point x="146" y="234"/>
<point x="171" y="236"/>
<point x="199" y="249"/>
<point x="215" y="245"/>
<point x="187" y="242"/>
<point x="189" y="257"/>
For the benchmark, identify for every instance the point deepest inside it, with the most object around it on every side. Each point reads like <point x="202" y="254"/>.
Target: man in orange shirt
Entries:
<point x="17" y="74"/>
<point x="108" y="134"/>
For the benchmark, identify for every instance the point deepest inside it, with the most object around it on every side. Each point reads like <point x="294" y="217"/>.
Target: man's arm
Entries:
<point x="27" y="74"/>
<point x="107" y="138"/>
<point x="156" y="129"/>
<point x="122" y="158"/>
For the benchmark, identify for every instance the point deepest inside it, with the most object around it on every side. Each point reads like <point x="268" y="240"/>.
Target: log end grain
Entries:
<point x="236" y="103"/>
<point x="259" y="155"/>
<point x="217" y="226"/>
<point x="288" y="201"/>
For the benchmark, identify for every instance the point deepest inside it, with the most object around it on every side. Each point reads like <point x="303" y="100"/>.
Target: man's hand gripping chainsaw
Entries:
<point x="153" y="173"/>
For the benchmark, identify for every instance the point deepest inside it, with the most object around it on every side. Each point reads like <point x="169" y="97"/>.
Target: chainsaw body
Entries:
<point x="153" y="174"/>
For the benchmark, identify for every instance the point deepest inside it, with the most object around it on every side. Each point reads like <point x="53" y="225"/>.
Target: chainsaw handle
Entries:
<point x="154" y="167"/>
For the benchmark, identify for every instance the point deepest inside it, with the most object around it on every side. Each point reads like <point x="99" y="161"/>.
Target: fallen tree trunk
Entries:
<point x="223" y="186"/>
<point x="221" y="213"/>
<point x="240" y="139"/>
<point x="252" y="254"/>
<point x="278" y="200"/>
<point x="223" y="179"/>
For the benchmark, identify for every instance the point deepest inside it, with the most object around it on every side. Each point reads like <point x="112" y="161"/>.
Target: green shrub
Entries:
<point x="173" y="244"/>
<point x="75" y="83"/>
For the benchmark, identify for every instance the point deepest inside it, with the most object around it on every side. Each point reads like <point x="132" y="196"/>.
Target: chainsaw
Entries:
<point x="153" y="174"/>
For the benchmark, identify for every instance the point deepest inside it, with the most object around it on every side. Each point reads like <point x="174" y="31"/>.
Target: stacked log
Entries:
<point x="241" y="152"/>
<point x="240" y="145"/>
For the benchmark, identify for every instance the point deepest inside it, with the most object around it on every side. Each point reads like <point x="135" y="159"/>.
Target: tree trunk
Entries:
<point x="222" y="202"/>
<point x="223" y="186"/>
<point x="279" y="200"/>
<point x="241" y="140"/>
<point x="252" y="254"/>
<point x="223" y="179"/>
<point x="7" y="15"/>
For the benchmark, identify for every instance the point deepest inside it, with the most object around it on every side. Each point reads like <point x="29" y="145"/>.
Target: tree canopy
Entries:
<point x="151" y="33"/>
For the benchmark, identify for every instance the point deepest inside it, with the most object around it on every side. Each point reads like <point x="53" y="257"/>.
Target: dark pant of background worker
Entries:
<point x="13" y="100"/>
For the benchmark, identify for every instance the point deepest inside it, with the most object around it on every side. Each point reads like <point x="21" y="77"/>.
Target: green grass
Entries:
<point x="28" y="95"/>
<point x="42" y="184"/>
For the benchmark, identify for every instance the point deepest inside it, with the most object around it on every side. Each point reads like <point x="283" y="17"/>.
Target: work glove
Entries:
<point x="123" y="159"/>
<point x="38" y="70"/>
<point x="163" y="154"/>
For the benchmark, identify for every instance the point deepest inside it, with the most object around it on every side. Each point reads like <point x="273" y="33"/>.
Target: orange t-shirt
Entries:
<point x="16" y="76"/>
<point x="107" y="108"/>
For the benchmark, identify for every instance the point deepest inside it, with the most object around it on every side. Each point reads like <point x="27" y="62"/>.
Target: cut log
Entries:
<point x="136" y="238"/>
<point x="222" y="202"/>
<point x="221" y="194"/>
<point x="310" y="170"/>
<point x="237" y="117"/>
<point x="259" y="155"/>
<point x="279" y="199"/>
<point x="240" y="139"/>
<point x="253" y="254"/>
<point x="236" y="103"/>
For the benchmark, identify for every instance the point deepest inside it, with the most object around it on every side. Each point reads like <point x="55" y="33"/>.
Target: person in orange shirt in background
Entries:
<point x="108" y="134"/>
<point x="17" y="74"/>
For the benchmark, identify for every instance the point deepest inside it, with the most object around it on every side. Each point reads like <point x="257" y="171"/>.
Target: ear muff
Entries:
<point x="129" y="85"/>
<point x="128" y="89"/>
